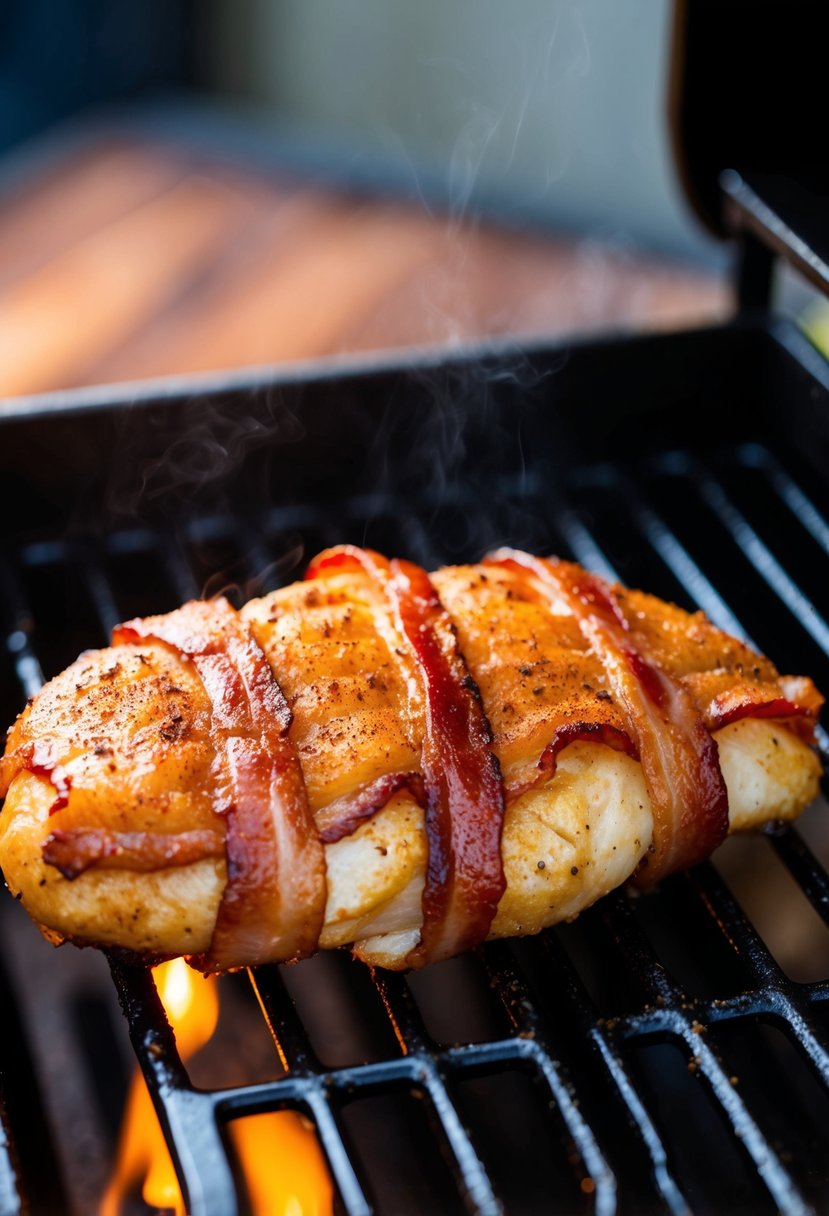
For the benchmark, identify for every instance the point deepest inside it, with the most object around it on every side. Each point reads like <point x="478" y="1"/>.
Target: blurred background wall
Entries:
<point x="60" y="57"/>
<point x="222" y="183"/>
<point x="552" y="107"/>
<point x="551" y="111"/>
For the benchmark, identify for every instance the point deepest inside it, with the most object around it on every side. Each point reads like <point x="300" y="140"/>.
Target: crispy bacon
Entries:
<point x="80" y="849"/>
<point x="274" y="902"/>
<point x="462" y="777"/>
<point x="679" y="758"/>
<point x="40" y="758"/>
<point x="564" y="735"/>
<point x="755" y="702"/>
<point x="343" y="816"/>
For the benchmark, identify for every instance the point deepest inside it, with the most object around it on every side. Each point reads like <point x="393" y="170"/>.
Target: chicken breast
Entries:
<point x="113" y="832"/>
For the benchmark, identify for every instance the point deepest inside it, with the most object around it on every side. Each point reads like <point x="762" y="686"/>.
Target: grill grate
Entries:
<point x="29" y="1177"/>
<point x="585" y="1016"/>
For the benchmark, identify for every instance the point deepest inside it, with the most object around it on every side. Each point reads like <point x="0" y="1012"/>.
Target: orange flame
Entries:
<point x="281" y="1159"/>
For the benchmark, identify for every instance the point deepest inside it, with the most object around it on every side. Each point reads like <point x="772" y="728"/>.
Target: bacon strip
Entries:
<point x="40" y="758"/>
<point x="273" y="905"/>
<point x="462" y="778"/>
<point x="342" y="817"/>
<point x="734" y="704"/>
<point x="564" y="735"/>
<point x="80" y="849"/>
<point x="679" y="758"/>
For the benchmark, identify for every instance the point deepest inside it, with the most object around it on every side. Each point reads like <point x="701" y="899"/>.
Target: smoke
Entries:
<point x="254" y="571"/>
<point x="450" y="457"/>
<point x="456" y="455"/>
<point x="213" y="443"/>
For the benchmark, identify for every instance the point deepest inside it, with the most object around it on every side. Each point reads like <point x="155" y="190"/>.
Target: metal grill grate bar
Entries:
<point x="786" y="998"/>
<point x="476" y="1186"/>
<point x="18" y="629"/>
<point x="764" y="561"/>
<point x="605" y="1040"/>
<point x="805" y="868"/>
<point x="585" y="547"/>
<point x="517" y="1000"/>
<point x="339" y="1159"/>
<point x="288" y="1033"/>
<point x="802" y="509"/>
<point x="100" y="590"/>
<point x="178" y="570"/>
<point x="678" y="560"/>
<point x="671" y="1016"/>
<point x="30" y="1178"/>
<point x="403" y="1013"/>
<point x="186" y="1116"/>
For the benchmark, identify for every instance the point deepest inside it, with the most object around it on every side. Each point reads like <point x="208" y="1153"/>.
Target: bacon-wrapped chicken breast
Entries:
<point x="407" y="763"/>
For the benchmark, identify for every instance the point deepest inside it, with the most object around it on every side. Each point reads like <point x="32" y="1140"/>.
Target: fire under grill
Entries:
<point x="666" y="1052"/>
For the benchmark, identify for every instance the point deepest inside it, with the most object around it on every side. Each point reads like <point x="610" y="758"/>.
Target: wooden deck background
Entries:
<point x="127" y="258"/>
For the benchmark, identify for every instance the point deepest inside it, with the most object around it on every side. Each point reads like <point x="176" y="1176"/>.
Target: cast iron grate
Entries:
<point x="620" y="1028"/>
<point x="30" y="1179"/>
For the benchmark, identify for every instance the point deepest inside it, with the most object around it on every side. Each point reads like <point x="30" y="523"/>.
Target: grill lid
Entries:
<point x="746" y="96"/>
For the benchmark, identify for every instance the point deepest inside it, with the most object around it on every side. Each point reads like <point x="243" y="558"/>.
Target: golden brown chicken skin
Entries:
<point x="113" y="834"/>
